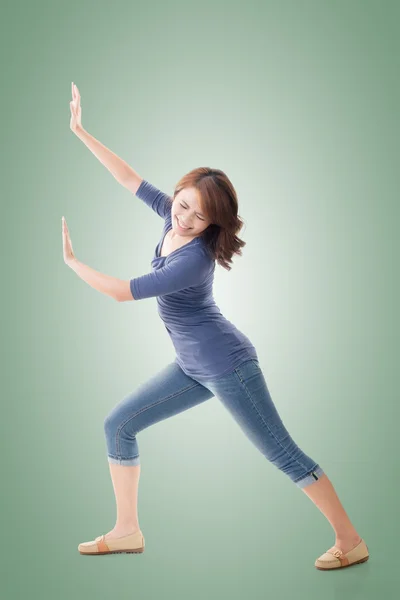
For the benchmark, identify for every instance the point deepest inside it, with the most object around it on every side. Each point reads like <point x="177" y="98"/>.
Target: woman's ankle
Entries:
<point x="126" y="529"/>
<point x="348" y="539"/>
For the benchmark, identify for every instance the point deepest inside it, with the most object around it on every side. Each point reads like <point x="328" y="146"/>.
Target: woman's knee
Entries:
<point x="123" y="423"/>
<point x="113" y="423"/>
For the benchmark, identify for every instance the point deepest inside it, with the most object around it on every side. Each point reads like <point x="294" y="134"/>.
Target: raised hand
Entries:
<point x="76" y="111"/>
<point x="69" y="256"/>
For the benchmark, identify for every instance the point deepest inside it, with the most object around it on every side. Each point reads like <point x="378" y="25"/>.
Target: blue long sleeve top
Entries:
<point x="207" y="345"/>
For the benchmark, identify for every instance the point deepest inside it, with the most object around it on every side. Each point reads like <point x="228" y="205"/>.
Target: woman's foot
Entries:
<point x="124" y="540"/>
<point x="335" y="558"/>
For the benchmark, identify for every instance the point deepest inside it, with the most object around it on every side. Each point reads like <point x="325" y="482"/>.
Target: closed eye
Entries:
<point x="185" y="207"/>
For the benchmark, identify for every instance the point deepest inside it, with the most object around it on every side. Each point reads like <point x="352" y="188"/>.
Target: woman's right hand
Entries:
<point x="76" y="111"/>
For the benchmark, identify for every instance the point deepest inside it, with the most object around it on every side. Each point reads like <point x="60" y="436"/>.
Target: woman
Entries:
<point x="213" y="358"/>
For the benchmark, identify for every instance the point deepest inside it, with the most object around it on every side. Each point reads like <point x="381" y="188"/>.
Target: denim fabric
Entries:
<point x="243" y="392"/>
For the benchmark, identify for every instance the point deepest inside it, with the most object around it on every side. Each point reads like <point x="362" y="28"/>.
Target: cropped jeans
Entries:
<point x="243" y="392"/>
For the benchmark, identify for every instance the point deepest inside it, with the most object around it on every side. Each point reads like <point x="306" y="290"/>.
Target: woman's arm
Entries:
<point x="116" y="288"/>
<point x="122" y="172"/>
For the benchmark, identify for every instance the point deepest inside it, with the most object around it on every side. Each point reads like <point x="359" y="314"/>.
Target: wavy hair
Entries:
<point x="220" y="205"/>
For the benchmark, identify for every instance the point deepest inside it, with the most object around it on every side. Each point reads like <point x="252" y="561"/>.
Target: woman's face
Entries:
<point x="186" y="211"/>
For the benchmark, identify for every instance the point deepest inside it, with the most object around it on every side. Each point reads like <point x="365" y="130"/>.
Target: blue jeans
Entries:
<point x="243" y="392"/>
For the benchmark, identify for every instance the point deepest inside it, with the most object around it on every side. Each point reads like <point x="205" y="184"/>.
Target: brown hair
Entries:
<point x="220" y="205"/>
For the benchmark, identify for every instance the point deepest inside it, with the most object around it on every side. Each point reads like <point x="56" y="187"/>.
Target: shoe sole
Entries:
<point x="136" y="551"/>
<point x="356" y="562"/>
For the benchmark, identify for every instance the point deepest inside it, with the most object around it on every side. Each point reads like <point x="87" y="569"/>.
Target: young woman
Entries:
<point x="213" y="358"/>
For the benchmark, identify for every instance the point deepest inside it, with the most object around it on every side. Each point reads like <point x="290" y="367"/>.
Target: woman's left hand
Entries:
<point x="69" y="256"/>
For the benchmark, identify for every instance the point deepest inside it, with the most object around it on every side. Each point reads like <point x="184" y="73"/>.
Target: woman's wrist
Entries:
<point x="73" y="264"/>
<point x="79" y="131"/>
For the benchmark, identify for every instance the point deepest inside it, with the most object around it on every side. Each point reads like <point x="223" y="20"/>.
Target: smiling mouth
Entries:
<point x="181" y="225"/>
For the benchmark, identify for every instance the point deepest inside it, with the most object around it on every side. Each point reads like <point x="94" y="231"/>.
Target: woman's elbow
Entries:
<point x="124" y="293"/>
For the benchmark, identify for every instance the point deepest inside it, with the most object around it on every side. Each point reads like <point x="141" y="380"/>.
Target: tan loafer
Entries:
<point x="336" y="559"/>
<point x="128" y="543"/>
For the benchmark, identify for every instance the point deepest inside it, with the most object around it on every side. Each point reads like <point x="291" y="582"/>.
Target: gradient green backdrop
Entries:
<point x="298" y="102"/>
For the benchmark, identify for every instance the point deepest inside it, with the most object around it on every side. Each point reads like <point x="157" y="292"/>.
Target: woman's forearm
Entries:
<point x="118" y="289"/>
<point x="116" y="165"/>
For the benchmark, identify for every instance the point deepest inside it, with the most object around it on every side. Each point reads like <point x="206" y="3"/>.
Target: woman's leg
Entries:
<point x="167" y="393"/>
<point x="245" y="394"/>
<point x="125" y="481"/>
<point x="323" y="494"/>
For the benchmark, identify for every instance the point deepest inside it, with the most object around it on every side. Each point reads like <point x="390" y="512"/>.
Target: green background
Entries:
<point x="298" y="102"/>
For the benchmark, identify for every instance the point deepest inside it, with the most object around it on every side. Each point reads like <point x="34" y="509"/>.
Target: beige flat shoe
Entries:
<point x="336" y="559"/>
<point x="128" y="543"/>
